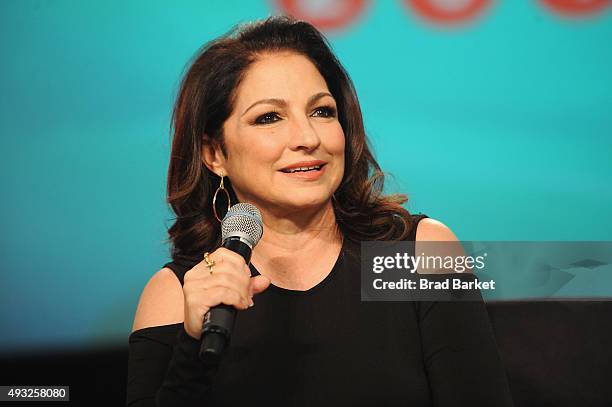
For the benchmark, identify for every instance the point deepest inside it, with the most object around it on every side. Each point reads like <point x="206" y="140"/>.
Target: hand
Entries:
<point x="230" y="283"/>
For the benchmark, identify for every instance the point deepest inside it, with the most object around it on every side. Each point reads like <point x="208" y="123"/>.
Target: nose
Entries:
<point x="303" y="135"/>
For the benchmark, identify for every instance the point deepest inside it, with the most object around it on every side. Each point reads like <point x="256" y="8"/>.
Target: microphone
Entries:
<point x="241" y="229"/>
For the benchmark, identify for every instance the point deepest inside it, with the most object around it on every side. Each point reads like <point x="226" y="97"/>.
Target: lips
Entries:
<point x="308" y="175"/>
<point x="304" y="166"/>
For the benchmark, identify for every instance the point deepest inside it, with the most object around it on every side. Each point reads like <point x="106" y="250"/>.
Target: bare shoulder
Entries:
<point x="431" y="230"/>
<point x="161" y="301"/>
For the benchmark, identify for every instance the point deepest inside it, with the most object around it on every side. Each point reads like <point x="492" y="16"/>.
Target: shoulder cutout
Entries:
<point x="161" y="301"/>
<point x="431" y="230"/>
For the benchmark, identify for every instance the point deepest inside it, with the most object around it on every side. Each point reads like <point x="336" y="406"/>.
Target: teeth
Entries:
<point x="314" y="167"/>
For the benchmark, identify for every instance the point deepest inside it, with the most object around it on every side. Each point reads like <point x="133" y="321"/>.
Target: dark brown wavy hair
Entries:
<point x="205" y="100"/>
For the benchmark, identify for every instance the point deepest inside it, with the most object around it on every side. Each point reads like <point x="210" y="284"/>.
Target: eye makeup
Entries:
<point x="328" y="111"/>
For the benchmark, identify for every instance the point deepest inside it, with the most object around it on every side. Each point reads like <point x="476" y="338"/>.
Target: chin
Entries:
<point x="308" y="201"/>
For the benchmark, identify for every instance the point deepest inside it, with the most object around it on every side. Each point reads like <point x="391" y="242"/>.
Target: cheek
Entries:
<point x="335" y="146"/>
<point x="266" y="150"/>
<point x="337" y="142"/>
<point x="259" y="153"/>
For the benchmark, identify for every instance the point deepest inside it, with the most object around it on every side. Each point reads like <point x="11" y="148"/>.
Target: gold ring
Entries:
<point x="210" y="263"/>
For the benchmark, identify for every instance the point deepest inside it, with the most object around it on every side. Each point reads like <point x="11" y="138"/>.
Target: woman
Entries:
<point x="267" y="115"/>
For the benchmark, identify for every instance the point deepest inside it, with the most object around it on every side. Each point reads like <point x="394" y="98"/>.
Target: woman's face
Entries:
<point x="284" y="118"/>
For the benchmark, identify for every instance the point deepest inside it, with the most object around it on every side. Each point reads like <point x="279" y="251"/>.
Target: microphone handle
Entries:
<point x="219" y="320"/>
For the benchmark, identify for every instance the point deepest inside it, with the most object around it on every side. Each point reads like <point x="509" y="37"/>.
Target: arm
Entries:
<point x="459" y="349"/>
<point x="163" y="366"/>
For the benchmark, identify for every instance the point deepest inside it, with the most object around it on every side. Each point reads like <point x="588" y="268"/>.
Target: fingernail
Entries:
<point x="251" y="303"/>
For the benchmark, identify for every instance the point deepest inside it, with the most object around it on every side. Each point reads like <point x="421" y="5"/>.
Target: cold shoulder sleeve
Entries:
<point x="461" y="356"/>
<point x="164" y="369"/>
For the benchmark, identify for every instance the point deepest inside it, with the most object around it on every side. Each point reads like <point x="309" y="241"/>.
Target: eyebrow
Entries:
<point x="283" y="103"/>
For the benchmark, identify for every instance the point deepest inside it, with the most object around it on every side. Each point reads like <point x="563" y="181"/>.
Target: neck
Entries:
<point x="296" y="248"/>
<point x="299" y="231"/>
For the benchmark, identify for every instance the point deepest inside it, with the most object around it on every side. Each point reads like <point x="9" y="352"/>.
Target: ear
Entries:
<point x="212" y="156"/>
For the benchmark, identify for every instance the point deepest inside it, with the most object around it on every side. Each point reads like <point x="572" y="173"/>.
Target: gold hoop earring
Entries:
<point x="214" y="202"/>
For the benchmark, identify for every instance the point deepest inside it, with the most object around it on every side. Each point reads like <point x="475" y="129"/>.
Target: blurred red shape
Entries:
<point x="576" y="7"/>
<point x="448" y="12"/>
<point x="324" y="14"/>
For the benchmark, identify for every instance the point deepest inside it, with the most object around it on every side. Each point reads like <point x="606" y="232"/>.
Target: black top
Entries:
<point x="325" y="347"/>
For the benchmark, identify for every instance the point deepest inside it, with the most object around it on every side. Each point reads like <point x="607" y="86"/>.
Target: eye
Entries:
<point x="325" y="111"/>
<point x="267" y="118"/>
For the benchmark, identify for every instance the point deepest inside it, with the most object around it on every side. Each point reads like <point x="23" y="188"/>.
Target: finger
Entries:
<point x="227" y="255"/>
<point x="216" y="257"/>
<point x="239" y="283"/>
<point x="247" y="270"/>
<point x="219" y="257"/>
<point x="231" y="272"/>
<point x="259" y="284"/>
<point x="204" y="272"/>
<point x="224" y="295"/>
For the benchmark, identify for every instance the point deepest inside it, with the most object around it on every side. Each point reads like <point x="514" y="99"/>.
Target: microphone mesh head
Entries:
<point x="242" y="220"/>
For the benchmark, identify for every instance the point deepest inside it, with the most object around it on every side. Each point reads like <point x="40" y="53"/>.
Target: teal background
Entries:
<point x="501" y="129"/>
